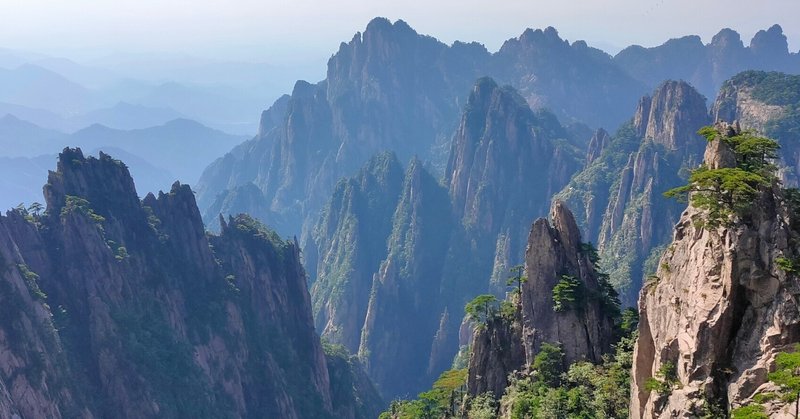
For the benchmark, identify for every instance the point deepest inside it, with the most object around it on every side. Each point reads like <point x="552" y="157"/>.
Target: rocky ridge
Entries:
<point x="118" y="307"/>
<point x="719" y="308"/>
<point x="708" y="66"/>
<point x="619" y="192"/>
<point x="584" y="328"/>
<point x="375" y="98"/>
<point x="384" y="244"/>
<point x="767" y="103"/>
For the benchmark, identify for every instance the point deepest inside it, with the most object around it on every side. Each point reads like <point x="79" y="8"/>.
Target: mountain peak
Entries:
<point x="727" y="38"/>
<point x="102" y="181"/>
<point x="537" y="37"/>
<point x="382" y="25"/>
<point x="770" y="42"/>
<point x="564" y="223"/>
<point x="671" y="115"/>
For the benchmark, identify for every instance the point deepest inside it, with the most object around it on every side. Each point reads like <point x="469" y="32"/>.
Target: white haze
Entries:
<point x="298" y="32"/>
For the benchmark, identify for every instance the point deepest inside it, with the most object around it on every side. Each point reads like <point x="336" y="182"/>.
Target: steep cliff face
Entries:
<point x="498" y="143"/>
<point x="564" y="302"/>
<point x="768" y="103"/>
<point x="124" y="308"/>
<point x="505" y="163"/>
<point x="385" y="245"/>
<point x="352" y="235"/>
<point x="497" y="351"/>
<point x="555" y="253"/>
<point x="574" y="80"/>
<point x="393" y="89"/>
<point x="707" y="66"/>
<point x="597" y="144"/>
<point x="620" y="192"/>
<point x="406" y="303"/>
<point x="719" y="307"/>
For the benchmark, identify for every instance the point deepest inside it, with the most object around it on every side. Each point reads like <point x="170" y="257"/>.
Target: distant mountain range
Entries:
<point x="485" y="161"/>
<point x="61" y="94"/>
<point x="159" y="155"/>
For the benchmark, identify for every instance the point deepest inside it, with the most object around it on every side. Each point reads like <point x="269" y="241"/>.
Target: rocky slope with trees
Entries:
<point x="617" y="197"/>
<point x="398" y="258"/>
<point x="116" y="307"/>
<point x="392" y="89"/>
<point x="722" y="305"/>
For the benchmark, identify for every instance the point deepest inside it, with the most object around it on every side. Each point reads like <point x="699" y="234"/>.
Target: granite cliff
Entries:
<point x="398" y="259"/>
<point x="116" y="307"/>
<point x="617" y="196"/>
<point x="721" y="305"/>
<point x="582" y="326"/>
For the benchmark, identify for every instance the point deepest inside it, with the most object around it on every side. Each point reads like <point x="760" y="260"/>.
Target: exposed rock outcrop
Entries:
<point x="115" y="307"/>
<point x="583" y="328"/>
<point x="497" y="351"/>
<point x="719" y="307"/>
<point x="597" y="144"/>
<point x="352" y="235"/>
<point x="767" y="103"/>
<point x="620" y="192"/>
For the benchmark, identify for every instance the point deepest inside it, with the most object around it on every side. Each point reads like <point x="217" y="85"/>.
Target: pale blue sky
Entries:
<point x="270" y="30"/>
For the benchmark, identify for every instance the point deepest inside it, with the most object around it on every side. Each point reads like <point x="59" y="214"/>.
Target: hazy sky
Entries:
<point x="270" y="30"/>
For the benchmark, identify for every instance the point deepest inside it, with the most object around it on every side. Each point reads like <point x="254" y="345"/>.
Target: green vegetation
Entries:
<point x="32" y="281"/>
<point x="629" y="321"/>
<point x="567" y="294"/>
<point x="582" y="391"/>
<point x="787" y="377"/>
<point x="772" y="88"/>
<point x="591" y="252"/>
<point x="790" y="266"/>
<point x="482" y="309"/>
<point x="548" y="364"/>
<point x="80" y="205"/>
<point x="749" y="412"/>
<point x="32" y="213"/>
<point x="441" y="401"/>
<point x="168" y="365"/>
<point x="665" y="380"/>
<point x="609" y="297"/>
<point x="730" y="191"/>
<point x="517" y="278"/>
<point x="777" y="89"/>
<point x="483" y="406"/>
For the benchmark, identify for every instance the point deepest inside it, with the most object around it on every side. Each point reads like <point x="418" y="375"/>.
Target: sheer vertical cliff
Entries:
<point x="768" y="103"/>
<point x="720" y="306"/>
<point x="619" y="192"/>
<point x="392" y="89"/>
<point x="582" y="324"/>
<point x="402" y="260"/>
<point x="405" y="301"/>
<point x="352" y="234"/>
<point x="115" y="307"/>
